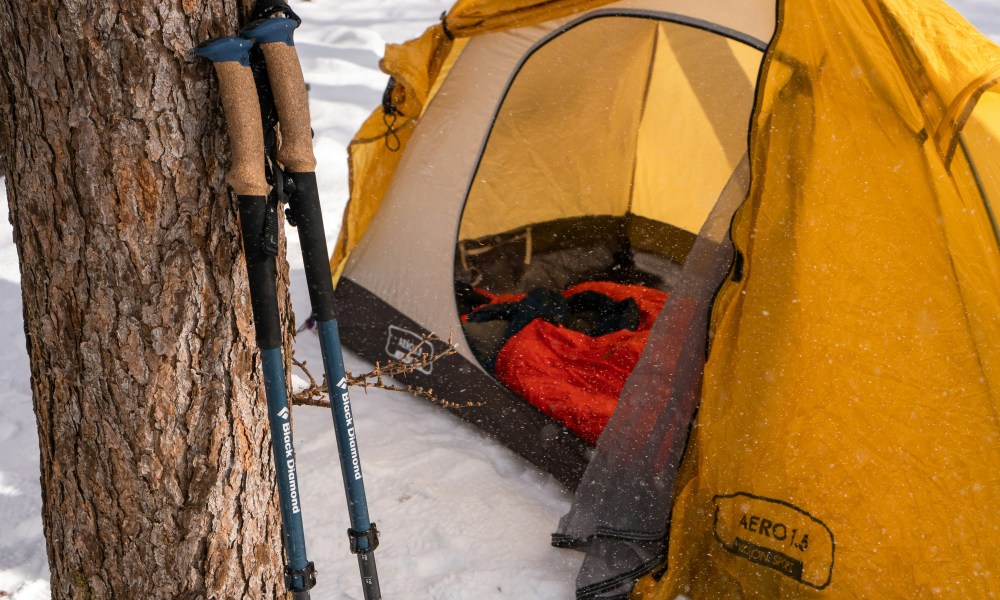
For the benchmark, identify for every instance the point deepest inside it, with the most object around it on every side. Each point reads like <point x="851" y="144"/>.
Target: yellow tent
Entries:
<point x="419" y="66"/>
<point x="847" y="442"/>
<point x="509" y="154"/>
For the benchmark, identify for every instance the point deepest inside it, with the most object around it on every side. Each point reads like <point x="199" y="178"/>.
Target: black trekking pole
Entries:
<point x="230" y="56"/>
<point x="295" y="153"/>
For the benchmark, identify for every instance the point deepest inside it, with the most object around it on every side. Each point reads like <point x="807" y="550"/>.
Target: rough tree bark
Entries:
<point x="156" y="470"/>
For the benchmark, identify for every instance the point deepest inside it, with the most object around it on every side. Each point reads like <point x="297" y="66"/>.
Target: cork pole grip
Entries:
<point x="246" y="137"/>
<point x="290" y="97"/>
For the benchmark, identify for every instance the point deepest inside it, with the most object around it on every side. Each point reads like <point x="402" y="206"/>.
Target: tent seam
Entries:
<point x="960" y="110"/>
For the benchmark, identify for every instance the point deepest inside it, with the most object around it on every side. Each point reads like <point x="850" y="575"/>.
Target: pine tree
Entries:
<point x="156" y="474"/>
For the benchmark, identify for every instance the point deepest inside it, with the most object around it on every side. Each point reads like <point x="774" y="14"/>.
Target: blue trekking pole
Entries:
<point x="295" y="153"/>
<point x="230" y="56"/>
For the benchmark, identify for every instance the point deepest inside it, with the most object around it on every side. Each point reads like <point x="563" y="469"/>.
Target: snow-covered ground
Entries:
<point x="461" y="517"/>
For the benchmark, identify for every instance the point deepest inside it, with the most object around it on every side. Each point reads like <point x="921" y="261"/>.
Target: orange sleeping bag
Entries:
<point x="569" y="375"/>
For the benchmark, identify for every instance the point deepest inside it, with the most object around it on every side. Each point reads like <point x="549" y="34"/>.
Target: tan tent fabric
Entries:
<point x="852" y="387"/>
<point x="416" y="67"/>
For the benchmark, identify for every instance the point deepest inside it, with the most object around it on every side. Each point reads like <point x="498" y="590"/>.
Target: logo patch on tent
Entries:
<point x="403" y="343"/>
<point x="777" y="535"/>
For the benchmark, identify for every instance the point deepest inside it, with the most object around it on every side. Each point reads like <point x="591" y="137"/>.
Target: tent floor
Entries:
<point x="372" y="328"/>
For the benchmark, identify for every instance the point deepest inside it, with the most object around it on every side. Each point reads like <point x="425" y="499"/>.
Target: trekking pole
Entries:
<point x="230" y="56"/>
<point x="274" y="37"/>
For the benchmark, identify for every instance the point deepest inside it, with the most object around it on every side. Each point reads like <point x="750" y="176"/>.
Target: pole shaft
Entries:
<point x="280" y="422"/>
<point x="267" y="324"/>
<point x="306" y="212"/>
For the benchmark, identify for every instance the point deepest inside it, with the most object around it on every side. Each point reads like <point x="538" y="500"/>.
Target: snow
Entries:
<point x="460" y="516"/>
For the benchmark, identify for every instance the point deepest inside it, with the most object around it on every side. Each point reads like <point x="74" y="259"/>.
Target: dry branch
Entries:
<point x="316" y="394"/>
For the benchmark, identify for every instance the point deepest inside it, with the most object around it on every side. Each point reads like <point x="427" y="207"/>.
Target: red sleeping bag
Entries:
<point x="570" y="376"/>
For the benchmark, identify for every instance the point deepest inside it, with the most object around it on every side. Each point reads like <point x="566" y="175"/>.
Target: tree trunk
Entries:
<point x="157" y="476"/>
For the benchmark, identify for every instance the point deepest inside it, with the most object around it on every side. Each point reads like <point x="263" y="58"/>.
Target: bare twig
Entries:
<point x="316" y="394"/>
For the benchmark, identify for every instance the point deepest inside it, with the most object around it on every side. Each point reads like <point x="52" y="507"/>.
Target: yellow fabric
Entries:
<point x="693" y="131"/>
<point x="564" y="169"/>
<point x="665" y="117"/>
<point x="375" y="150"/>
<point x="946" y="62"/>
<point x="982" y="136"/>
<point x="417" y="67"/>
<point x="852" y="386"/>
<point x="474" y="17"/>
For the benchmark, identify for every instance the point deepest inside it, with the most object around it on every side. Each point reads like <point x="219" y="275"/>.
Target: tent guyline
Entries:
<point x="261" y="86"/>
<point x="317" y="394"/>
